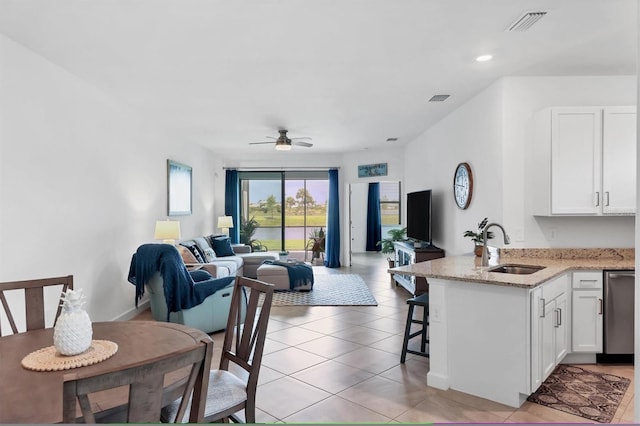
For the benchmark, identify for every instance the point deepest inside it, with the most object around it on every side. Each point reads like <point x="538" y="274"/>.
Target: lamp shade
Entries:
<point x="167" y="230"/>
<point x="225" y="222"/>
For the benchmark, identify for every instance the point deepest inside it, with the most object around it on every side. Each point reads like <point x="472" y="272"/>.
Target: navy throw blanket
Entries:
<point x="299" y="273"/>
<point x="180" y="290"/>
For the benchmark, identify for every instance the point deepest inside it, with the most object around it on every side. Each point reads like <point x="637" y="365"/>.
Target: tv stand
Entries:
<point x="407" y="254"/>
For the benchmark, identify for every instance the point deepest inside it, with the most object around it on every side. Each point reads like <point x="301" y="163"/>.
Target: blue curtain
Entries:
<point x="332" y="242"/>
<point x="232" y="203"/>
<point x="374" y="218"/>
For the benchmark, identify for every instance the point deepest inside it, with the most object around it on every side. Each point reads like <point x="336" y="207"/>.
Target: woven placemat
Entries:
<point x="49" y="359"/>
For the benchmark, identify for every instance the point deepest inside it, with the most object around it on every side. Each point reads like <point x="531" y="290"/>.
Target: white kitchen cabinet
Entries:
<point x="619" y="160"/>
<point x="587" y="311"/>
<point x="584" y="161"/>
<point x="550" y="328"/>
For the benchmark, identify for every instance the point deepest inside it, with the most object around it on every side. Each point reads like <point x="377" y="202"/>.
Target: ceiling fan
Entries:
<point x="283" y="143"/>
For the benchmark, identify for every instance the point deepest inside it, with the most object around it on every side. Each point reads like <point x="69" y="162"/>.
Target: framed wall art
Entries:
<point x="371" y="170"/>
<point x="178" y="189"/>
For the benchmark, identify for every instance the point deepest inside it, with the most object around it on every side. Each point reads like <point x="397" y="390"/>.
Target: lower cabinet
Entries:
<point x="587" y="305"/>
<point x="550" y="328"/>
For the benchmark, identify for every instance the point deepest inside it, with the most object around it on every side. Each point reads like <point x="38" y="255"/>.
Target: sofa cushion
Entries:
<point x="209" y="255"/>
<point x="222" y="246"/>
<point x="200" y="275"/>
<point x="194" y="249"/>
<point x="202" y="243"/>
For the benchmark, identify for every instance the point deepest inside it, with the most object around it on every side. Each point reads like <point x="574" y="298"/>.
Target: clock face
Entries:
<point x="462" y="185"/>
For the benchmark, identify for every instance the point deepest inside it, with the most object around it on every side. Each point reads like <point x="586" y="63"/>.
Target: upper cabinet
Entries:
<point x="584" y="161"/>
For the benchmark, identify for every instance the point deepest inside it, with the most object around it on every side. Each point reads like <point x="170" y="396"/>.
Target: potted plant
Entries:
<point x="316" y="244"/>
<point x="247" y="229"/>
<point x="386" y="245"/>
<point x="477" y="238"/>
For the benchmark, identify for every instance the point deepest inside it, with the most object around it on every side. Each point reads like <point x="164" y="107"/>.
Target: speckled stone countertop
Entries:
<point x="555" y="262"/>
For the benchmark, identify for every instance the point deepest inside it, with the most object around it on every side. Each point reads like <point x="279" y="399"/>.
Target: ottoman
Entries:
<point x="276" y="275"/>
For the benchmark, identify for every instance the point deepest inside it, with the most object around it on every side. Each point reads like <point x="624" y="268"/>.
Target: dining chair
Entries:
<point x="33" y="300"/>
<point x="146" y="384"/>
<point x="230" y="392"/>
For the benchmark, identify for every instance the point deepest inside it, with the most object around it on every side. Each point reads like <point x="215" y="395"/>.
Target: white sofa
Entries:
<point x="199" y="252"/>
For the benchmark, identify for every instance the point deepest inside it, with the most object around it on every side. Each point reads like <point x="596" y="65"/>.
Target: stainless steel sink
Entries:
<point x="516" y="269"/>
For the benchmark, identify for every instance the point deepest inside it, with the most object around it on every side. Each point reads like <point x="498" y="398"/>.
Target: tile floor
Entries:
<point x="342" y="364"/>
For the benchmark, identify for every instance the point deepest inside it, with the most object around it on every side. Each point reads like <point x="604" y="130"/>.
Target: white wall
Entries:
<point x="472" y="134"/>
<point x="492" y="132"/>
<point x="82" y="181"/>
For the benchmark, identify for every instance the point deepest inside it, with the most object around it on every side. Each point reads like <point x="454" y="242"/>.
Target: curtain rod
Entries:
<point x="278" y="169"/>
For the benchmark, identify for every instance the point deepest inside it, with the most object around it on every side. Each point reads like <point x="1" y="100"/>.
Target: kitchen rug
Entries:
<point x="329" y="290"/>
<point x="584" y="393"/>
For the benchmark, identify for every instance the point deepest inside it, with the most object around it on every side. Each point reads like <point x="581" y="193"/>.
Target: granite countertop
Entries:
<point x="555" y="261"/>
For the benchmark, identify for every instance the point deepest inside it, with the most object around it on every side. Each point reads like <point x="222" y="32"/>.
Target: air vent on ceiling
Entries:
<point x="392" y="139"/>
<point x="525" y="22"/>
<point x="438" y="98"/>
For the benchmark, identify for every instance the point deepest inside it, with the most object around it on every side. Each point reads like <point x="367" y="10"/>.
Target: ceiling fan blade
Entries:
<point x="305" y="144"/>
<point x="305" y="138"/>
<point x="270" y="137"/>
<point x="259" y="143"/>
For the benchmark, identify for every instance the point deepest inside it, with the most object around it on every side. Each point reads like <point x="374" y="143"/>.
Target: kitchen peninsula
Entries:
<point x="499" y="335"/>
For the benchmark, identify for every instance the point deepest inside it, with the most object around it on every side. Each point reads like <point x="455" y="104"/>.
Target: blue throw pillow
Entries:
<point x="222" y="247"/>
<point x="200" y="275"/>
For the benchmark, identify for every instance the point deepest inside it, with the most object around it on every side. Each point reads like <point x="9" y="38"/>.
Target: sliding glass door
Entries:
<point x="285" y="210"/>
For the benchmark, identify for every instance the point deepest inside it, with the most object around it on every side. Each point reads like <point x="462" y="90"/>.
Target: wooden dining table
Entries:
<point x="28" y="396"/>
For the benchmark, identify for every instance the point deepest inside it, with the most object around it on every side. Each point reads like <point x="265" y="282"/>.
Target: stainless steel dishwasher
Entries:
<point x="618" y="314"/>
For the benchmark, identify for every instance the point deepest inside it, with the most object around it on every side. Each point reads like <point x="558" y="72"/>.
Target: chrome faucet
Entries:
<point x="485" y="250"/>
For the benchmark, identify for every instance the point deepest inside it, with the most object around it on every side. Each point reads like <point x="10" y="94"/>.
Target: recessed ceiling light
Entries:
<point x="484" y="58"/>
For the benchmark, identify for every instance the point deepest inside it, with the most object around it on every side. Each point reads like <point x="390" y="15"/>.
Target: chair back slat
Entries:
<point x="33" y="300"/>
<point x="145" y="382"/>
<point x="249" y="336"/>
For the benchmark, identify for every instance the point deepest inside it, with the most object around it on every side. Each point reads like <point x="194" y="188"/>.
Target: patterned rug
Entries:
<point x="584" y="393"/>
<point x="329" y="290"/>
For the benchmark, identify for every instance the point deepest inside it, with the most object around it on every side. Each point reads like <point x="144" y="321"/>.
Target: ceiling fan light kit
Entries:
<point x="283" y="143"/>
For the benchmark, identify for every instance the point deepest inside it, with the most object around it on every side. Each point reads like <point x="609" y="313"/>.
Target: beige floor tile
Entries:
<point x="500" y="410"/>
<point x="361" y="335"/>
<point x="329" y="347"/>
<point x="294" y="336"/>
<point x="390" y="325"/>
<point x="535" y="413"/>
<point x="392" y="344"/>
<point x="332" y="376"/>
<point x="384" y="396"/>
<point x="369" y="359"/>
<point x="283" y="397"/>
<point x="327" y="325"/>
<point x="437" y="408"/>
<point x="271" y="346"/>
<point x="267" y="375"/>
<point x="628" y="414"/>
<point x="291" y="360"/>
<point x="356" y="317"/>
<point x="275" y="325"/>
<point x="336" y="410"/>
<point x="412" y="373"/>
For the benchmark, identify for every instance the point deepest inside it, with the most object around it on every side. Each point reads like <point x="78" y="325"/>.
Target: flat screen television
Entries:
<point x="419" y="216"/>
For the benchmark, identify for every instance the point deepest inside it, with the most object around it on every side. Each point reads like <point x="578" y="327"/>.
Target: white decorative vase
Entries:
<point x="72" y="333"/>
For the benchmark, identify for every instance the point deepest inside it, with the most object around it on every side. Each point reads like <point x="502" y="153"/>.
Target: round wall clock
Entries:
<point x="463" y="185"/>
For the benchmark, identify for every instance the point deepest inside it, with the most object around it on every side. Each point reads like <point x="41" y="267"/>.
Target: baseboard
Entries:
<point x="437" y="381"/>
<point x="579" y="358"/>
<point x="133" y="312"/>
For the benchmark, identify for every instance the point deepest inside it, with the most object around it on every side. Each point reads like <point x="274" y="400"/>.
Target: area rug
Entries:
<point x="584" y="393"/>
<point x="329" y="290"/>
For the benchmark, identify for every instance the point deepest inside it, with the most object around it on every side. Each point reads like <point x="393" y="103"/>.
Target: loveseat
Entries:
<point x="216" y="255"/>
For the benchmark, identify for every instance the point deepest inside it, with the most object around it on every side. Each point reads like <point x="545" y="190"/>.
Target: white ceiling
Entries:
<point x="348" y="73"/>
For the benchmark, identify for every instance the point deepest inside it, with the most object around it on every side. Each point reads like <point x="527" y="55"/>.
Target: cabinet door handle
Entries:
<point x="559" y="313"/>
<point x="544" y="308"/>
<point x="606" y="198"/>
<point x="597" y="198"/>
<point x="601" y="306"/>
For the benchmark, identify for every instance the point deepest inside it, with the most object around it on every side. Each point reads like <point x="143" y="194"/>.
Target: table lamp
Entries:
<point x="224" y="223"/>
<point x="168" y="231"/>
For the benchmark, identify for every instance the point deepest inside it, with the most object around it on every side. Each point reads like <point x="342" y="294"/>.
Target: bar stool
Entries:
<point x="422" y="300"/>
